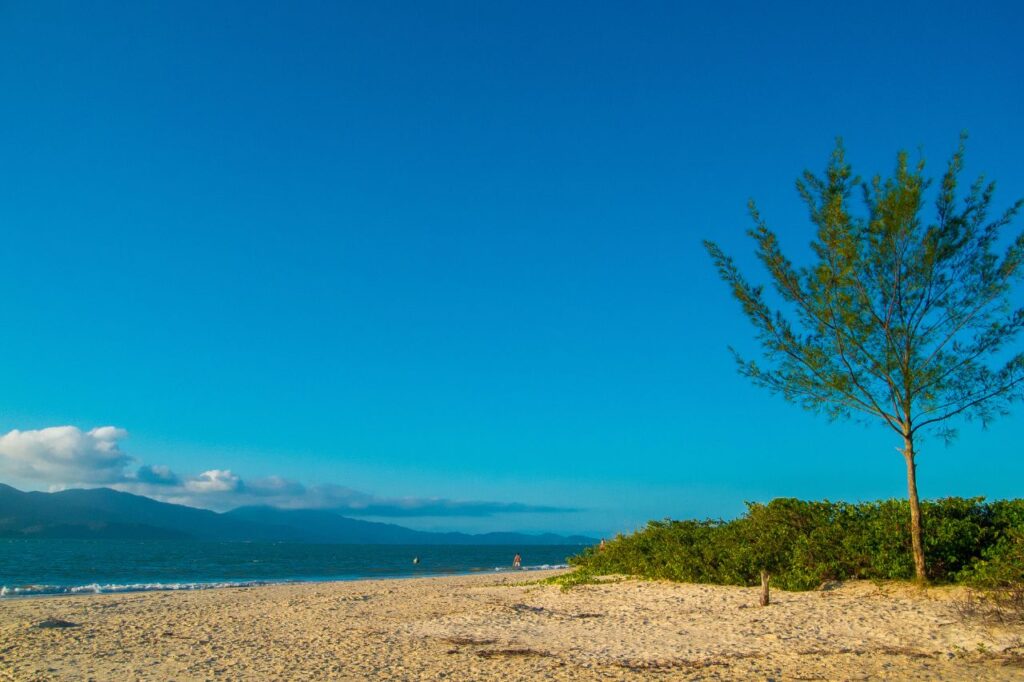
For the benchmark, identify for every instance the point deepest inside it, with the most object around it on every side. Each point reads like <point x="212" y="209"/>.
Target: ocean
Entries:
<point x="46" y="567"/>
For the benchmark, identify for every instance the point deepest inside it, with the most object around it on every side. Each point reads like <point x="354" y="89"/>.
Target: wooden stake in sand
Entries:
<point x="765" y="577"/>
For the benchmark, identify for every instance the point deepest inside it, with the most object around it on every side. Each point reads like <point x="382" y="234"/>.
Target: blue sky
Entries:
<point x="453" y="250"/>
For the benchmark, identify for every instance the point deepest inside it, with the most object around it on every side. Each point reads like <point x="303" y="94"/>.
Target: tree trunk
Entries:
<point x="765" y="577"/>
<point x="915" y="509"/>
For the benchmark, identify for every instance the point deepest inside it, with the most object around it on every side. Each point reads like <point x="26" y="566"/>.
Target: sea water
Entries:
<point x="41" y="567"/>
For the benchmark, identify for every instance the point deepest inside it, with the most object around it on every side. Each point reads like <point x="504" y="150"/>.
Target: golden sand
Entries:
<point x="487" y="627"/>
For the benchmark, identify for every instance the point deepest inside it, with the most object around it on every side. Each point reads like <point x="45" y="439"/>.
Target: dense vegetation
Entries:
<point x="803" y="544"/>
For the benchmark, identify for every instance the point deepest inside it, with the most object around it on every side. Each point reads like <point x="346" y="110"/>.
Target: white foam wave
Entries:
<point x="113" y="588"/>
<point x="96" y="588"/>
<point x="540" y="567"/>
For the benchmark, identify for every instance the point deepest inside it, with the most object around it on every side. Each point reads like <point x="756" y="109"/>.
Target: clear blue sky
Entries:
<point x="453" y="249"/>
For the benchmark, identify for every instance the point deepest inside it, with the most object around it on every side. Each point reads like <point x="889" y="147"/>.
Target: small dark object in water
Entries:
<point x="56" y="623"/>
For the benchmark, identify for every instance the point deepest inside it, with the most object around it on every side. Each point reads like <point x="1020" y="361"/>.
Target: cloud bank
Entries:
<point x="64" y="453"/>
<point x="66" y="456"/>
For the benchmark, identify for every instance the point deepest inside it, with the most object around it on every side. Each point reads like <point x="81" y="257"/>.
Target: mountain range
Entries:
<point x="102" y="513"/>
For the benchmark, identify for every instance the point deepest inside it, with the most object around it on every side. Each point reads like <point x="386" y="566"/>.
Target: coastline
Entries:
<point x="497" y="625"/>
<point x="40" y="591"/>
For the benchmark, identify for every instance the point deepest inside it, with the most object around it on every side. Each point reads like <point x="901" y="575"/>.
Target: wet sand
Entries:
<point x="494" y="627"/>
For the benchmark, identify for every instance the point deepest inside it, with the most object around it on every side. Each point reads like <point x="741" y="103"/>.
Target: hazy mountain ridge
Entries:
<point x="102" y="513"/>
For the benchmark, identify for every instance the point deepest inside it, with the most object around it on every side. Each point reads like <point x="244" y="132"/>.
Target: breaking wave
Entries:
<point x="96" y="588"/>
<point x="114" y="588"/>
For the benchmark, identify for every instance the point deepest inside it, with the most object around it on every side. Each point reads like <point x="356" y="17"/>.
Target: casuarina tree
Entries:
<point x="897" y="319"/>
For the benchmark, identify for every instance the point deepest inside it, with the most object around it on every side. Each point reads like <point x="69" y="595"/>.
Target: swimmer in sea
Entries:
<point x="517" y="561"/>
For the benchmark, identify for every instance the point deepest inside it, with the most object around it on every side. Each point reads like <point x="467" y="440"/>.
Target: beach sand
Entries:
<point x="485" y="627"/>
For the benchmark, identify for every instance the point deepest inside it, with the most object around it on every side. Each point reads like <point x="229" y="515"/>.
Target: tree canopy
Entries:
<point x="898" y="319"/>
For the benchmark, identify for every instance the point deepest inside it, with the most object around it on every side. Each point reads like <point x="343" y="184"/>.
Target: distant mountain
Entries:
<point x="314" y="525"/>
<point x="103" y="513"/>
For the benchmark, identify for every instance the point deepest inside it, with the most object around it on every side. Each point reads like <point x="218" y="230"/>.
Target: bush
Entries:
<point x="803" y="544"/>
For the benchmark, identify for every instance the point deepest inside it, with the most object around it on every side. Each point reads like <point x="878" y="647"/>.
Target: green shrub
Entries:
<point x="803" y="544"/>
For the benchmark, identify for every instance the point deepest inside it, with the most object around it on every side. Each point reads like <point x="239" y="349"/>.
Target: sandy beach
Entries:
<point x="495" y="627"/>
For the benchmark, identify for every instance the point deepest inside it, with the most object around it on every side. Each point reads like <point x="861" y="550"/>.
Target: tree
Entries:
<point x="897" y="320"/>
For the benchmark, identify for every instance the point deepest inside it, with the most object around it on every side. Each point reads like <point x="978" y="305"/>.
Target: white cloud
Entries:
<point x="214" y="481"/>
<point x="64" y="454"/>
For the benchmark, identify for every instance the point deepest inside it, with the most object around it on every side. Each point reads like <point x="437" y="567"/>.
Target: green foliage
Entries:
<point x="898" y="318"/>
<point x="803" y="544"/>
<point x="567" y="581"/>
<point x="1001" y="564"/>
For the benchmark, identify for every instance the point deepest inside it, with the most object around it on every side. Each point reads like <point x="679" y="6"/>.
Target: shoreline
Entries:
<point x="8" y="593"/>
<point x="496" y="625"/>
